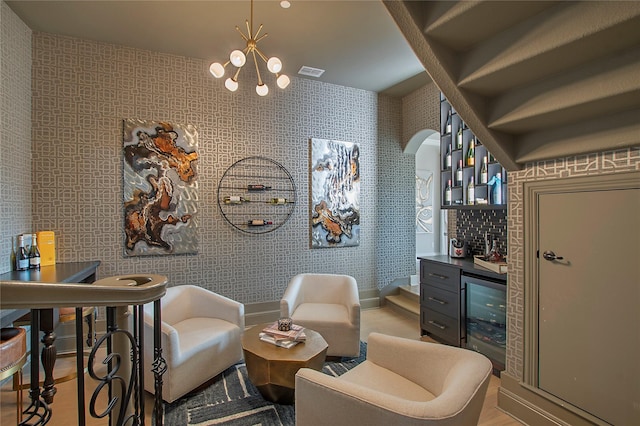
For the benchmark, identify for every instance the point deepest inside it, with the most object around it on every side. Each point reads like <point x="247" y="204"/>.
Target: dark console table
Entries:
<point x="46" y="320"/>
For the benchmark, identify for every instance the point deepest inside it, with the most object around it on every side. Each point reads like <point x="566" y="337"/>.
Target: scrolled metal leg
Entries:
<point x="159" y="364"/>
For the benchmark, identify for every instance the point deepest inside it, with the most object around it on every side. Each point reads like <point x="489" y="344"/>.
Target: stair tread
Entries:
<point x="405" y="303"/>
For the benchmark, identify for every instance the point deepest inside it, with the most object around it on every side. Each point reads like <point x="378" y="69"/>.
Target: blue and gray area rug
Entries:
<point x="232" y="400"/>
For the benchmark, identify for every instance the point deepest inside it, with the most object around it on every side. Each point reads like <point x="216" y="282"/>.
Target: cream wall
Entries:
<point x="83" y="89"/>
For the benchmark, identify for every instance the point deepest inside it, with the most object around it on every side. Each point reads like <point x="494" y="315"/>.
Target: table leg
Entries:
<point x="49" y="353"/>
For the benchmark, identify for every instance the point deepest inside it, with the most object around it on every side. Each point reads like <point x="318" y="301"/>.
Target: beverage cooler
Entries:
<point x="486" y="323"/>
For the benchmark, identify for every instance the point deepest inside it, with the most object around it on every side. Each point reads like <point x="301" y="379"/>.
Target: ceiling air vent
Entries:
<point x="310" y="71"/>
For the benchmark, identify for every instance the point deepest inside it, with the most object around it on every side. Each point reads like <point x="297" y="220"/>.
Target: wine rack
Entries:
<point x="452" y="128"/>
<point x="256" y="195"/>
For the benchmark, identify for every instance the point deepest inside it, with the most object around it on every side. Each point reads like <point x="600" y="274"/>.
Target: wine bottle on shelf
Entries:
<point x="259" y="222"/>
<point x="236" y="199"/>
<point x="447" y="158"/>
<point x="458" y="180"/>
<point x="22" y="256"/>
<point x="13" y="255"/>
<point x="447" y="193"/>
<point x="484" y="173"/>
<point x="471" y="192"/>
<point x="278" y="201"/>
<point x="470" y="153"/>
<point x="459" y="138"/>
<point x="258" y="187"/>
<point x="447" y="127"/>
<point x="34" y="253"/>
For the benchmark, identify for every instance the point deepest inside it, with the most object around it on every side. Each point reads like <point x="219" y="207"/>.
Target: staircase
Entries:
<point x="534" y="80"/>
<point x="406" y="300"/>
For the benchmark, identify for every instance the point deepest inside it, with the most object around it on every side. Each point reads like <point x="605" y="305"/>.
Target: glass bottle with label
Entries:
<point x="22" y="255"/>
<point x="447" y="127"/>
<point x="235" y="199"/>
<point x="458" y="180"/>
<point x="470" y="153"/>
<point x="13" y="255"/>
<point x="34" y="253"/>
<point x="471" y="192"/>
<point x="484" y="172"/>
<point x="447" y="158"/>
<point x="447" y="193"/>
<point x="459" y="138"/>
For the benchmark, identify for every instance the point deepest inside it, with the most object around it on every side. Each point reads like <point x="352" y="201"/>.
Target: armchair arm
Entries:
<point x="292" y="297"/>
<point x="321" y="399"/>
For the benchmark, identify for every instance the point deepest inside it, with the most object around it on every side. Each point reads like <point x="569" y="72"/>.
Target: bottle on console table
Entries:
<point x="34" y="253"/>
<point x="22" y="256"/>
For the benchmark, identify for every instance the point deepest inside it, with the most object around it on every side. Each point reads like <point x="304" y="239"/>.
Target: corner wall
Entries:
<point x="83" y="89"/>
<point x="15" y="134"/>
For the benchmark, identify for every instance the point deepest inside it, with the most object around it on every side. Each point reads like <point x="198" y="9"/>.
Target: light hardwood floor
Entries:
<point x="383" y="320"/>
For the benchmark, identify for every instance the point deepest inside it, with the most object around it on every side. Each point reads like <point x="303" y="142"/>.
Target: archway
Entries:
<point x="425" y="145"/>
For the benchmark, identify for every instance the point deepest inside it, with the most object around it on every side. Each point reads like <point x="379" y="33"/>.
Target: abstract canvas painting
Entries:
<point x="335" y="193"/>
<point x="160" y="188"/>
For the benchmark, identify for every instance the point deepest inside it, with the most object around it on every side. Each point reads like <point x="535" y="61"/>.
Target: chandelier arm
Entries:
<point x="258" y="32"/>
<point x="255" y="61"/>
<point x="262" y="56"/>
<point x="249" y="29"/>
<point x="261" y="37"/>
<point x="242" y="34"/>
<point x="235" y="76"/>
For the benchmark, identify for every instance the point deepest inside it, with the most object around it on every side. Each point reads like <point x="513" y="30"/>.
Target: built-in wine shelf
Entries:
<point x="470" y="175"/>
<point x="256" y="195"/>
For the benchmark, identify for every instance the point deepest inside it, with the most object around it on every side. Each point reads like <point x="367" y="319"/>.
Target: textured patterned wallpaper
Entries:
<point x="593" y="164"/>
<point x="420" y="110"/>
<point x="83" y="89"/>
<point x="15" y="137"/>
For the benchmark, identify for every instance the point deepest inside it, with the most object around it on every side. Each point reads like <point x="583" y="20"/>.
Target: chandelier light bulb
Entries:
<point x="216" y="69"/>
<point x="274" y="65"/>
<point x="262" y="89"/>
<point x="231" y="84"/>
<point x="237" y="58"/>
<point x="283" y="81"/>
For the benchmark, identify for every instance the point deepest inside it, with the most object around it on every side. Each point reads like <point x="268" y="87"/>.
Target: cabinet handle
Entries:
<point x="433" y="299"/>
<point x="440" y="326"/>
<point x="442" y="277"/>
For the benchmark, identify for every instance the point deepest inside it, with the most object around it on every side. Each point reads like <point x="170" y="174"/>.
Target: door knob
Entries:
<point x="551" y="256"/>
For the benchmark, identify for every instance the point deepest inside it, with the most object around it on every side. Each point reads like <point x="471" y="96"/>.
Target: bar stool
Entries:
<point x="13" y="356"/>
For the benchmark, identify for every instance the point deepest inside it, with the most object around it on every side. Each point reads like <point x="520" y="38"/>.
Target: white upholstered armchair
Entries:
<point x="328" y="304"/>
<point x="402" y="382"/>
<point x="201" y="337"/>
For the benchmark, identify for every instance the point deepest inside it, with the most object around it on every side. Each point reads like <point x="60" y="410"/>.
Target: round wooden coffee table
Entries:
<point x="273" y="369"/>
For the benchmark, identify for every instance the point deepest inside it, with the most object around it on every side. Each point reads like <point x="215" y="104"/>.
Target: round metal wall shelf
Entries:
<point x="256" y="195"/>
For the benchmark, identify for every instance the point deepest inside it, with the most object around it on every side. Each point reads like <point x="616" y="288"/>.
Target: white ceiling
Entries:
<point x="356" y="42"/>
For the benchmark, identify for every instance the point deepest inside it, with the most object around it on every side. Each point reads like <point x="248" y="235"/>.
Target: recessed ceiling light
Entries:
<point x="285" y="4"/>
<point x="310" y="71"/>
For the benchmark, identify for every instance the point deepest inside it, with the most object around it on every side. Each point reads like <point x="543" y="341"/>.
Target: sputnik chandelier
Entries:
<point x="238" y="58"/>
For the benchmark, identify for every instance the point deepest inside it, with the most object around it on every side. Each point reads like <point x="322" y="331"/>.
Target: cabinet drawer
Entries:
<point x="441" y="326"/>
<point x="442" y="301"/>
<point x="439" y="275"/>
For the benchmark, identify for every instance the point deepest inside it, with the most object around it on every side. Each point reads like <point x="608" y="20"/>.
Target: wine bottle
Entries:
<point x="22" y="256"/>
<point x="447" y="158"/>
<point x="278" y="201"/>
<point x="260" y="222"/>
<point x="484" y="173"/>
<point x="458" y="180"/>
<point x="448" y="125"/>
<point x="258" y="187"/>
<point x="13" y="255"/>
<point x="459" y="138"/>
<point x="471" y="192"/>
<point x="235" y="199"/>
<point x="34" y="254"/>
<point x="470" y="153"/>
<point x="447" y="193"/>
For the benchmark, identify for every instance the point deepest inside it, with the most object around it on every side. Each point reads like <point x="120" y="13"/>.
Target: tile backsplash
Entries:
<point x="471" y="226"/>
